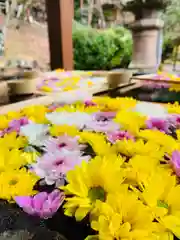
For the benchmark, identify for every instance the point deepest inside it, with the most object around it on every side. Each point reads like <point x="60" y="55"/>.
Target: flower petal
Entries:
<point x="38" y="200"/>
<point x="25" y="201"/>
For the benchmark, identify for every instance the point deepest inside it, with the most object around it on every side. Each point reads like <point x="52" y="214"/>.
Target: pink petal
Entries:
<point x="57" y="203"/>
<point x="29" y="210"/>
<point x="46" y="210"/>
<point x="39" y="200"/>
<point x="53" y="195"/>
<point x="25" y="201"/>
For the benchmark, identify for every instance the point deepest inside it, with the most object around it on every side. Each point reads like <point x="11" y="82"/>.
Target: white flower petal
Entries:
<point x="151" y="110"/>
<point x="34" y="132"/>
<point x="78" y="119"/>
<point x="70" y="97"/>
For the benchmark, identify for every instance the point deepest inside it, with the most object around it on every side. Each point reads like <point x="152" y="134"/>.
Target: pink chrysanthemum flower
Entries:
<point x="53" y="166"/>
<point x="104" y="116"/>
<point x="159" y="124"/>
<point x="43" y="205"/>
<point x="119" y="135"/>
<point x="102" y="122"/>
<point x="62" y="142"/>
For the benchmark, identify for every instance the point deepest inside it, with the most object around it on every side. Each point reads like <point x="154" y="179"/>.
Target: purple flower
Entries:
<point x="89" y="103"/>
<point x="175" y="162"/>
<point x="53" y="166"/>
<point x="119" y="135"/>
<point x="104" y="116"/>
<point x="102" y="122"/>
<point x="102" y="126"/>
<point x="15" y="125"/>
<point x="42" y="204"/>
<point x="62" y="142"/>
<point x="174" y="119"/>
<point x="159" y="124"/>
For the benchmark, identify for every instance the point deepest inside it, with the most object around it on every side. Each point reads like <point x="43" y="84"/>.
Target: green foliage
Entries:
<point x="101" y="50"/>
<point x="171" y="20"/>
<point x="168" y="48"/>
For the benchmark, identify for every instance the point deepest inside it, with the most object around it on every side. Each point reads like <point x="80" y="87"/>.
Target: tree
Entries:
<point x="171" y="17"/>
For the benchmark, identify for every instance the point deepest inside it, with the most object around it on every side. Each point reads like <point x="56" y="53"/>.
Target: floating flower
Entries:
<point x="17" y="183"/>
<point x="161" y="194"/>
<point x="36" y="133"/>
<point x="13" y="141"/>
<point x="43" y="205"/>
<point x="15" y="125"/>
<point x="78" y="119"/>
<point x="102" y="126"/>
<point x="119" y="135"/>
<point x="103" y="148"/>
<point x="104" y="116"/>
<point x="62" y="142"/>
<point x="102" y="122"/>
<point x="151" y="110"/>
<point x="175" y="161"/>
<point x="53" y="166"/>
<point x="4" y="122"/>
<point x="56" y="130"/>
<point x="124" y="119"/>
<point x="90" y="182"/>
<point x="14" y="159"/>
<point x="89" y="103"/>
<point x="123" y="217"/>
<point x="159" y="124"/>
<point x="37" y="114"/>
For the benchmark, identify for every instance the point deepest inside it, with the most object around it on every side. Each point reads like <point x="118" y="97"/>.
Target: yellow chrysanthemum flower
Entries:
<point x="173" y="108"/>
<point x="46" y="89"/>
<point x="16" y="183"/>
<point x="123" y="216"/>
<point x="131" y="148"/>
<point x="78" y="107"/>
<point x="167" y="143"/>
<point x="130" y="121"/>
<point x="97" y="141"/>
<point x="161" y="193"/>
<point x="36" y="113"/>
<point x="56" y="130"/>
<point x="13" y="141"/>
<point x="115" y="104"/>
<point x="14" y="159"/>
<point x="90" y="182"/>
<point x="14" y="115"/>
<point x="139" y="168"/>
<point x="4" y="122"/>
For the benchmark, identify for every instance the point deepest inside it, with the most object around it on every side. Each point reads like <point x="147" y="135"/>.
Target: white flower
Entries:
<point x="73" y="96"/>
<point x="78" y="119"/>
<point x="151" y="110"/>
<point x="36" y="133"/>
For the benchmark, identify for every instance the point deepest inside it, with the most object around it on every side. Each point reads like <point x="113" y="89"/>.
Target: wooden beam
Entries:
<point x="60" y="14"/>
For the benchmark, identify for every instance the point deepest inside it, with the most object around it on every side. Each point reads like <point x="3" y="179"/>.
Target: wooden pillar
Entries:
<point x="60" y="14"/>
<point x="81" y="4"/>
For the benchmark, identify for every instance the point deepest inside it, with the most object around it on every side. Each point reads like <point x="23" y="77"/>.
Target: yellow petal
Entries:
<point x="81" y="213"/>
<point x="173" y="224"/>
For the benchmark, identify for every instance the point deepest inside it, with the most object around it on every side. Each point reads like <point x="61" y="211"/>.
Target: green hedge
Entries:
<point x="101" y="49"/>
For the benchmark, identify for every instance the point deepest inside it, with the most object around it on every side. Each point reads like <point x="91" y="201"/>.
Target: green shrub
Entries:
<point x="101" y="50"/>
<point x="168" y="47"/>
